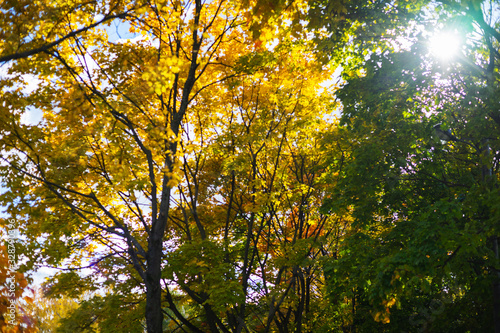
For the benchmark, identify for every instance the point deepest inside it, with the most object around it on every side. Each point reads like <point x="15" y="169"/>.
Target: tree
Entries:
<point x="424" y="207"/>
<point x="126" y="113"/>
<point x="179" y="169"/>
<point x="246" y="212"/>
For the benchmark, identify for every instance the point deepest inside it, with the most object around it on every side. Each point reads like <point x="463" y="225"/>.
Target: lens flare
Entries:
<point x="445" y="45"/>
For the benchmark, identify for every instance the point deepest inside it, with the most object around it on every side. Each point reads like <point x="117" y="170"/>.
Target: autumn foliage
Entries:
<point x="248" y="166"/>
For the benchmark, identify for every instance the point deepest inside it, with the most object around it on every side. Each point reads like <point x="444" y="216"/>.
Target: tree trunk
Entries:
<point x="496" y="291"/>
<point x="154" y="314"/>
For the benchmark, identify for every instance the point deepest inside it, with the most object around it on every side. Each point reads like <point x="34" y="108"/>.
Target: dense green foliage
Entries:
<point x="425" y="210"/>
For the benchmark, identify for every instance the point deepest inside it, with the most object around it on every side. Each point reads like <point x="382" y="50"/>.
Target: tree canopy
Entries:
<point x="254" y="166"/>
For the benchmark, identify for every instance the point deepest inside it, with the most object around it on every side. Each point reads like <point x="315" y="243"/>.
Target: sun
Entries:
<point x="445" y="45"/>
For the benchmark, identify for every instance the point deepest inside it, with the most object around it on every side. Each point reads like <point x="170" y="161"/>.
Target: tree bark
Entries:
<point x="496" y="291"/>
<point x="154" y="314"/>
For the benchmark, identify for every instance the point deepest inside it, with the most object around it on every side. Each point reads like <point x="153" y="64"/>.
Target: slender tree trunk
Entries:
<point x="154" y="314"/>
<point x="487" y="174"/>
<point x="496" y="291"/>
